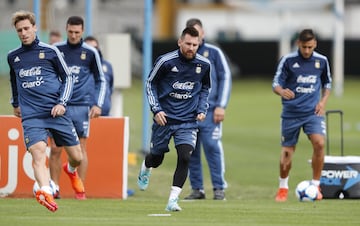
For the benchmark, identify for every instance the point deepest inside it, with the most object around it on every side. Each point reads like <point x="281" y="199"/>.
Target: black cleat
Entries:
<point x="196" y="194"/>
<point x="219" y="194"/>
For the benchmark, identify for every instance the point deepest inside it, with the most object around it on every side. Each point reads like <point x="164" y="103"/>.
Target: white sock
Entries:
<point x="315" y="182"/>
<point x="144" y="168"/>
<point x="283" y="182"/>
<point x="174" y="192"/>
<point x="70" y="168"/>
<point x="46" y="189"/>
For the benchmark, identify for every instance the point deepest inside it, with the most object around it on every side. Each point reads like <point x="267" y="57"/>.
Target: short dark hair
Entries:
<point x="75" y="20"/>
<point x="190" y="31"/>
<point x="192" y="22"/>
<point x="55" y="33"/>
<point x="306" y="35"/>
<point x="90" y="38"/>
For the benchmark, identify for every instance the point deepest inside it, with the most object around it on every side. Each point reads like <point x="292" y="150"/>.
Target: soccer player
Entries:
<point x="303" y="81"/>
<point x="108" y="73"/>
<point x="41" y="86"/>
<point x="177" y="89"/>
<point x="210" y="130"/>
<point x="54" y="37"/>
<point x="85" y="64"/>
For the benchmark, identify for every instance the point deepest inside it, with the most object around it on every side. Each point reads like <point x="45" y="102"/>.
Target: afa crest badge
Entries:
<point x="317" y="64"/>
<point x="206" y="54"/>
<point x="198" y="70"/>
<point x="83" y="56"/>
<point x="41" y="55"/>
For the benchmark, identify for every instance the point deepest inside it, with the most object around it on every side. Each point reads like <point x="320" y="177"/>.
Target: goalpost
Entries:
<point x="338" y="59"/>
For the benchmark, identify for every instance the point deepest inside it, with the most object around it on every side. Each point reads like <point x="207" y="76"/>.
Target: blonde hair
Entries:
<point x="23" y="15"/>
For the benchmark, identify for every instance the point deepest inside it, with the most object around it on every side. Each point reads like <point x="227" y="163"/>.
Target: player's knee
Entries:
<point x="74" y="154"/>
<point x="55" y="151"/>
<point x="184" y="152"/>
<point x="153" y="160"/>
<point x="319" y="145"/>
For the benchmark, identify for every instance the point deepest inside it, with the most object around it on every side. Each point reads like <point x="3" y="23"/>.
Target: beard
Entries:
<point x="189" y="55"/>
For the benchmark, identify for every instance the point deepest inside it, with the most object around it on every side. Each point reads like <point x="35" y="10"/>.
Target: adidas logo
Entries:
<point x="17" y="59"/>
<point x="296" y="65"/>
<point x="174" y="69"/>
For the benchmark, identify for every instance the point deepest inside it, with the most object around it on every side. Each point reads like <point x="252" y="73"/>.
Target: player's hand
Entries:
<point x="219" y="114"/>
<point x="160" y="118"/>
<point x="17" y="112"/>
<point x="200" y="117"/>
<point x="320" y="109"/>
<point x="58" y="110"/>
<point x="95" y="112"/>
<point x="287" y="94"/>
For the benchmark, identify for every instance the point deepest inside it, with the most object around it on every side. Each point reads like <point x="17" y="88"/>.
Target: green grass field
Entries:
<point x="251" y="143"/>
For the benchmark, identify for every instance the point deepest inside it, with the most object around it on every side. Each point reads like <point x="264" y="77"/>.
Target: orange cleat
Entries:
<point x="281" y="195"/>
<point x="320" y="195"/>
<point x="76" y="183"/>
<point x="80" y="195"/>
<point x="46" y="200"/>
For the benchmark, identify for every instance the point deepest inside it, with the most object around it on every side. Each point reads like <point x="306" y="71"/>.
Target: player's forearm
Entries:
<point x="325" y="96"/>
<point x="278" y="90"/>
